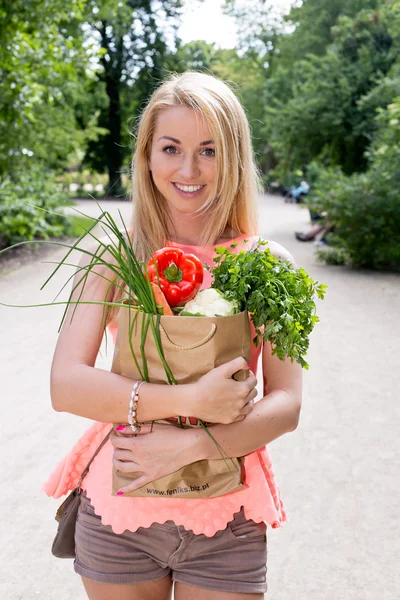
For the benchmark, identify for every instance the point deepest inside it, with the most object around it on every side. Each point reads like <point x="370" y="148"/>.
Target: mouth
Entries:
<point x="189" y="191"/>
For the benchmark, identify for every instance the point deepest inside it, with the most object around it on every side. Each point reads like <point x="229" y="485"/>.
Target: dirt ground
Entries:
<point x="338" y="472"/>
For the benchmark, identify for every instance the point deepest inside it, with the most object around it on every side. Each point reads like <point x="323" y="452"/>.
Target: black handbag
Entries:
<point x="64" y="542"/>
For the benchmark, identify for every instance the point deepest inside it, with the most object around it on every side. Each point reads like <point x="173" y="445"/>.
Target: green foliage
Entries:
<point x="197" y="56"/>
<point x="314" y="20"/>
<point x="260" y="25"/>
<point x="78" y="224"/>
<point x="44" y="60"/>
<point x="333" y="256"/>
<point x="322" y="114"/>
<point x="279" y="298"/>
<point x="245" y="74"/>
<point x="70" y="76"/>
<point x="20" y="215"/>
<point x="365" y="208"/>
<point x="322" y="64"/>
<point x="331" y="97"/>
<point x="134" y="57"/>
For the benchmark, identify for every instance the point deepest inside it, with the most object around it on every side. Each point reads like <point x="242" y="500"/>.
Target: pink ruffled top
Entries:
<point x="260" y="496"/>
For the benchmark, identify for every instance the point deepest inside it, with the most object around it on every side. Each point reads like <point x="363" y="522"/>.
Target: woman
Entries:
<point x="195" y="187"/>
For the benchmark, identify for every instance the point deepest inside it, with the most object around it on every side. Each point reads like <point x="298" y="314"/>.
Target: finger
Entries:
<point x="127" y="442"/>
<point x="251" y="381"/>
<point x="124" y="429"/>
<point x="231" y="367"/>
<point x="135" y="485"/>
<point x="239" y="418"/>
<point x="144" y="430"/>
<point x="248" y="408"/>
<point x="124" y="438"/>
<point x="252" y="395"/>
<point x="246" y="387"/>
<point x="125" y="455"/>
<point x="126" y="466"/>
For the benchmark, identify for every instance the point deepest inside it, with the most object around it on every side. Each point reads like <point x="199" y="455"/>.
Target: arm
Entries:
<point x="274" y="415"/>
<point x="168" y="448"/>
<point x="81" y="389"/>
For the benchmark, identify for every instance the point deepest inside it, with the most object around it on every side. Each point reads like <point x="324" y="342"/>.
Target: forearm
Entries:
<point x="273" y="416"/>
<point x="104" y="396"/>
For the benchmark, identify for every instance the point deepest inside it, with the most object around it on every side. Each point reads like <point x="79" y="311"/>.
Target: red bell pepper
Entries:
<point x="179" y="275"/>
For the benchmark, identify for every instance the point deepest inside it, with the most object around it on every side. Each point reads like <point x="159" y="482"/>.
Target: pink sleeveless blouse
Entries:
<point x="260" y="496"/>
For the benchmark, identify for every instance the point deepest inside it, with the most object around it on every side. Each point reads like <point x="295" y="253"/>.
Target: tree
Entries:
<point x="134" y="58"/>
<point x="310" y="25"/>
<point x="319" y="62"/>
<point x="305" y="29"/>
<point x="43" y="76"/>
<point x="322" y="112"/>
<point x="245" y="74"/>
<point x="260" y="25"/>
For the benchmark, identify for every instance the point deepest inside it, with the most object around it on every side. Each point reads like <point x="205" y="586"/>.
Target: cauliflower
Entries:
<point x="210" y="303"/>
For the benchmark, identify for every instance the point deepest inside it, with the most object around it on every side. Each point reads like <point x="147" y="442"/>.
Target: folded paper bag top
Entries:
<point x="192" y="346"/>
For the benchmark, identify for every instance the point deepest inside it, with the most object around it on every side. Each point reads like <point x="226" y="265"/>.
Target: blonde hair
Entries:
<point x="232" y="203"/>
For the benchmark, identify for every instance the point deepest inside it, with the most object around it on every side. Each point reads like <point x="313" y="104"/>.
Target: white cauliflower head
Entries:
<point x="210" y="303"/>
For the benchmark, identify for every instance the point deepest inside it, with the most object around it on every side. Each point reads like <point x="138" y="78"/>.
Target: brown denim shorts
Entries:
<point x="233" y="560"/>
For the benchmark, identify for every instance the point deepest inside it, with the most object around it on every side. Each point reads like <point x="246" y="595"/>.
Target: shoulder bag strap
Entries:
<point x="85" y="472"/>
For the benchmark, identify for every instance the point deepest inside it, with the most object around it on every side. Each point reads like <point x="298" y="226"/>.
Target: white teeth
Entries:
<point x="188" y="188"/>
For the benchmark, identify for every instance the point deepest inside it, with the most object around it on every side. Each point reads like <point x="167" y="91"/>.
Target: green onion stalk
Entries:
<point x="135" y="284"/>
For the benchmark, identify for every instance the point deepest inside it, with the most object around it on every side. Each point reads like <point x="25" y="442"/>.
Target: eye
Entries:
<point x="210" y="150"/>
<point x="168" y="148"/>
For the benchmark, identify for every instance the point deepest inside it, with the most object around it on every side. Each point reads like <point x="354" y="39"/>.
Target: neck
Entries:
<point x="187" y="229"/>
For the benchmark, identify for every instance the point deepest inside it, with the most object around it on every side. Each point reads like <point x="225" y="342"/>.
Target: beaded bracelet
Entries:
<point x="133" y="406"/>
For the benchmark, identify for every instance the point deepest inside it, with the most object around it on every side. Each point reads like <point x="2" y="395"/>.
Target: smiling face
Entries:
<point x="182" y="159"/>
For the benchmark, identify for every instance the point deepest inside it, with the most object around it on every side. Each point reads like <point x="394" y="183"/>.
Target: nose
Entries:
<point x="189" y="168"/>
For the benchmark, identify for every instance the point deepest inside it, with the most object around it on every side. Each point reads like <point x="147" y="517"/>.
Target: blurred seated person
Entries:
<point x="297" y="193"/>
<point x="318" y="228"/>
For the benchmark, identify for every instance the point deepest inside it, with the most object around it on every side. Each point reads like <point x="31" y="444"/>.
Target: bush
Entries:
<point x="366" y="216"/>
<point x="332" y="255"/>
<point x="365" y="208"/>
<point x="21" y="201"/>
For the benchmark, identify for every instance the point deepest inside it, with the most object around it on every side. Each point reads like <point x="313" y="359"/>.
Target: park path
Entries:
<point x="338" y="472"/>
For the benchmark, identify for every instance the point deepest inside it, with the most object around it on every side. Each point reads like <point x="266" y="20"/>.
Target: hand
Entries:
<point x="165" y="450"/>
<point x="217" y="398"/>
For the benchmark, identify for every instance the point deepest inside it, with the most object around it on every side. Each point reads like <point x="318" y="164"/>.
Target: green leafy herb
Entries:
<point x="278" y="297"/>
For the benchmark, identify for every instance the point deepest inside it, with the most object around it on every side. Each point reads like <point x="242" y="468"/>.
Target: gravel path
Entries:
<point x="338" y="472"/>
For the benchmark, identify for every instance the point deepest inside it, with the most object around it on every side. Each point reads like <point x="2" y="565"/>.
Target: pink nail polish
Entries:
<point x="120" y="428"/>
<point x="120" y="493"/>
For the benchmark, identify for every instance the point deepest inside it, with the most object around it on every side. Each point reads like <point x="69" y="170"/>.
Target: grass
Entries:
<point x="78" y="224"/>
<point x="15" y="258"/>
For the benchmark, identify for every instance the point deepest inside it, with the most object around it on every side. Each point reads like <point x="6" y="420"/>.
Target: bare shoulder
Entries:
<point x="280" y="252"/>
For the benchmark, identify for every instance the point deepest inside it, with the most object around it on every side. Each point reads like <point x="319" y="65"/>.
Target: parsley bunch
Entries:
<point x="278" y="297"/>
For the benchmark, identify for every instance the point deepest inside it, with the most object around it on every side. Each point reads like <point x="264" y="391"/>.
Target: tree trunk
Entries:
<point x="112" y="78"/>
<point x="114" y="155"/>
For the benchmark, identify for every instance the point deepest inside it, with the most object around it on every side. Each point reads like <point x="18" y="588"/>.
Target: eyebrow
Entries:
<point x="167" y="137"/>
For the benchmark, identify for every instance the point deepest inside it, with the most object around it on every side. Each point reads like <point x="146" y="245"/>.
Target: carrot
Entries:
<point x="160" y="299"/>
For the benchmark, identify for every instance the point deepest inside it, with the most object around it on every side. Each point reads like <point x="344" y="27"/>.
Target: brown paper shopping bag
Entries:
<point x="192" y="346"/>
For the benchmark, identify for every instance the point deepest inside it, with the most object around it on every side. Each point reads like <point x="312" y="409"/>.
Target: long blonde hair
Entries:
<point x="232" y="203"/>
